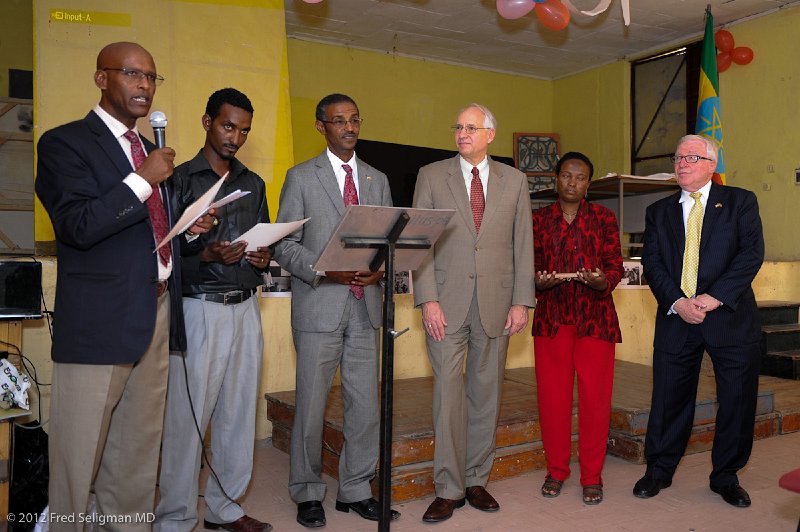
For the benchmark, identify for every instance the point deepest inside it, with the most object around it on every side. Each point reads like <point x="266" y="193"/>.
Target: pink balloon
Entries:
<point x="312" y="1"/>
<point x="553" y="14"/>
<point x="511" y="9"/>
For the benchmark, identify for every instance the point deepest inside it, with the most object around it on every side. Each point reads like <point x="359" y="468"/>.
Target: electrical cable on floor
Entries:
<point x="200" y="434"/>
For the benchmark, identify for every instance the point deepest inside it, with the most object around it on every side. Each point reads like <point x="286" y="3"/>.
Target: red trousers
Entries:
<point x="558" y="359"/>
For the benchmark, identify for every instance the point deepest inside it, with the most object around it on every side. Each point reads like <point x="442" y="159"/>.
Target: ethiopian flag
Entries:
<point x="709" y="115"/>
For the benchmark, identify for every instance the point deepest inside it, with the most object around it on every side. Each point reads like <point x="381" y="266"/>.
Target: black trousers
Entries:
<point x="675" y="377"/>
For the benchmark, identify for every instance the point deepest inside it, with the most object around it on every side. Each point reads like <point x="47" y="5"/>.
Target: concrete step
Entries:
<point x="631" y="448"/>
<point x="778" y="312"/>
<point x="783" y="364"/>
<point x="776" y="338"/>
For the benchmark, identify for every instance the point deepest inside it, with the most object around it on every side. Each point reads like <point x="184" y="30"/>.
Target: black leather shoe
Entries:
<point x="311" y="514"/>
<point x="735" y="495"/>
<point x="243" y="524"/>
<point x="649" y="486"/>
<point x="368" y="508"/>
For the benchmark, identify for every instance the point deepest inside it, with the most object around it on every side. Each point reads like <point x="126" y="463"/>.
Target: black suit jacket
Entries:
<point x="731" y="253"/>
<point x="105" y="308"/>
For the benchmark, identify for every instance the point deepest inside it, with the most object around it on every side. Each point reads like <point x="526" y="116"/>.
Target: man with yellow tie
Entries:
<point x="702" y="249"/>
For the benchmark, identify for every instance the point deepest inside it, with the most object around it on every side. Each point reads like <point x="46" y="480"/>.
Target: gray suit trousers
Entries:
<point x="465" y="407"/>
<point x="223" y="361"/>
<point x="353" y="347"/>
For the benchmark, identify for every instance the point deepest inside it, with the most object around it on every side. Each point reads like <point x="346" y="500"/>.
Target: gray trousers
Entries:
<point x="465" y="414"/>
<point x="223" y="363"/>
<point x="353" y="347"/>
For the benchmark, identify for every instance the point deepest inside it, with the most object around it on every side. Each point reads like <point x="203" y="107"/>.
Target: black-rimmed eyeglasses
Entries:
<point x="339" y="123"/>
<point x="688" y="158"/>
<point x="133" y="75"/>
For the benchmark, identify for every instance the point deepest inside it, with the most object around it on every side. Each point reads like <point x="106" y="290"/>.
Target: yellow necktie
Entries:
<point x="691" y="253"/>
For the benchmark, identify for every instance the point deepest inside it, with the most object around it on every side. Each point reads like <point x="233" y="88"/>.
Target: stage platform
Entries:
<point x="519" y="446"/>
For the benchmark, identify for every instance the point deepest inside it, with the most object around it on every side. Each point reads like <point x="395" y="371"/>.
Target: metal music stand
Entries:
<point x="384" y="238"/>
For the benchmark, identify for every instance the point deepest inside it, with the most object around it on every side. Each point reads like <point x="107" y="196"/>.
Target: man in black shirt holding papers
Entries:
<point x="223" y="326"/>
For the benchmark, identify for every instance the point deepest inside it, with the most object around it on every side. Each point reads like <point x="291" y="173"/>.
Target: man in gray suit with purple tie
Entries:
<point x="335" y="317"/>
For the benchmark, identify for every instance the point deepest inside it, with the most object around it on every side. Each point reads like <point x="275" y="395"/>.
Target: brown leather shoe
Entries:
<point x="479" y="498"/>
<point x="244" y="524"/>
<point x="441" y="509"/>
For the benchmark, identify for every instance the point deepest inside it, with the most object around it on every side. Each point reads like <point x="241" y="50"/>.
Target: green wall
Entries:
<point x="409" y="101"/>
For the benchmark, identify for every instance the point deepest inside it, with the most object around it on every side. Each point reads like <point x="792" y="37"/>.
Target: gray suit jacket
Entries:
<point x="311" y="191"/>
<point x="499" y="259"/>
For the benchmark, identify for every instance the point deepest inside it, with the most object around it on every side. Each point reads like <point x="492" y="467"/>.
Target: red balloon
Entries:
<point x="723" y="39"/>
<point x="723" y="61"/>
<point x="742" y="55"/>
<point x="553" y="14"/>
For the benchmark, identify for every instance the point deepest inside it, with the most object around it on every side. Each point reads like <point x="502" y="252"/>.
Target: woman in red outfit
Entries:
<point x="575" y="326"/>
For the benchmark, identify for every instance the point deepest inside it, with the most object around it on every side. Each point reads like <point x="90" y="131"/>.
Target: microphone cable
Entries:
<point x="203" y="455"/>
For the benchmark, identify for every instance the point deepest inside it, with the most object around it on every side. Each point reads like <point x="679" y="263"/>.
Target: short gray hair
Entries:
<point x="712" y="148"/>
<point x="488" y="118"/>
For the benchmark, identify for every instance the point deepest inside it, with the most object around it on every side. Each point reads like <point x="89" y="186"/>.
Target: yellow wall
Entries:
<point x="591" y="112"/>
<point x="250" y="56"/>
<point x="16" y="49"/>
<point x="409" y="101"/>
<point x="761" y="125"/>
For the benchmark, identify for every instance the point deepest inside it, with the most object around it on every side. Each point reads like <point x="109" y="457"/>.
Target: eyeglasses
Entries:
<point x="688" y="158"/>
<point x="469" y="128"/>
<point x="132" y="75"/>
<point x="339" y="123"/>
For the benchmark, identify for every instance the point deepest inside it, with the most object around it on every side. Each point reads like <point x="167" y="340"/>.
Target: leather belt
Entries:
<point x="226" y="298"/>
<point x="161" y="287"/>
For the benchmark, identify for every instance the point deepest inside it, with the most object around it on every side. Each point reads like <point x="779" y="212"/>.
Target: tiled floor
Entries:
<point x="686" y="506"/>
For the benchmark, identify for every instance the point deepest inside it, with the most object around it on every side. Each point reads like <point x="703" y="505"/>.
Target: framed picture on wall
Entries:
<point x="536" y="154"/>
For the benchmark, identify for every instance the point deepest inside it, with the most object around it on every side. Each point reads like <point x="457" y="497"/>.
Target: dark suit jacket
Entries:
<point x="731" y="253"/>
<point x="105" y="308"/>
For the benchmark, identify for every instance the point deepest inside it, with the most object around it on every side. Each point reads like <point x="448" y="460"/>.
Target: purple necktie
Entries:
<point x="158" y="215"/>
<point x="351" y="198"/>
<point x="476" y="200"/>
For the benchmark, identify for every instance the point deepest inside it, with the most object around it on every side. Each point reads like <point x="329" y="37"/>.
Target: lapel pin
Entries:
<point x="369" y="178"/>
<point x="717" y="206"/>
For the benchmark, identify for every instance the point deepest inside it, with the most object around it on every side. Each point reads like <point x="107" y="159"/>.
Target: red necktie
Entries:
<point x="351" y="198"/>
<point x="158" y="215"/>
<point x="476" y="200"/>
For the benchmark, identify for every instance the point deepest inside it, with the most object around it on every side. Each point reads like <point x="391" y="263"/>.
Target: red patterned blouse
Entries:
<point x="591" y="241"/>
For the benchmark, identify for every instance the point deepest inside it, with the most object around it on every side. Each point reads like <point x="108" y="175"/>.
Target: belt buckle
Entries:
<point x="232" y="297"/>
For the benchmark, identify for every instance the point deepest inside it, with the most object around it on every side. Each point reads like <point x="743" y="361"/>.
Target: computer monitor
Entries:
<point x="20" y="290"/>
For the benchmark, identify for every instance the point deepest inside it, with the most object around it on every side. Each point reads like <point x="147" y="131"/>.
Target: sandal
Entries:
<point x="593" y="494"/>
<point x="551" y="487"/>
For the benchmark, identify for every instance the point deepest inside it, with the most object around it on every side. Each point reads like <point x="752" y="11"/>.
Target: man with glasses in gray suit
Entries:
<point x="335" y="317"/>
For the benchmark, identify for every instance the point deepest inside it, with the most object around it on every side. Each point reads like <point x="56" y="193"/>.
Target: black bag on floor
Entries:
<point x="28" y="493"/>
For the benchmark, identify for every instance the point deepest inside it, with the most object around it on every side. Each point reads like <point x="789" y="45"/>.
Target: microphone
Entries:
<point x="158" y="121"/>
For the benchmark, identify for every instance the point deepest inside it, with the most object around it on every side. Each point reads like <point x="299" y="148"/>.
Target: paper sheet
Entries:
<point x="262" y="235"/>
<point x="196" y="210"/>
